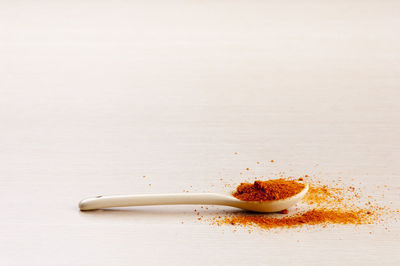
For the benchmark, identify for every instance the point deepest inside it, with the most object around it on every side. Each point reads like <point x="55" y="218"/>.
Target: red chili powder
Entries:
<point x="275" y="189"/>
<point x="312" y="217"/>
<point x="321" y="205"/>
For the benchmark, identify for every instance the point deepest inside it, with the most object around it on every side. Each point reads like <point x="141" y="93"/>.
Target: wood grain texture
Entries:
<point x="94" y="95"/>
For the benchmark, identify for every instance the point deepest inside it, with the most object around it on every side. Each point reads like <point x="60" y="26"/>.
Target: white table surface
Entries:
<point x="96" y="94"/>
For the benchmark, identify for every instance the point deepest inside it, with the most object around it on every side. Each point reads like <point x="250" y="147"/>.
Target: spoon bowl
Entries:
<point x="271" y="205"/>
<point x="101" y="202"/>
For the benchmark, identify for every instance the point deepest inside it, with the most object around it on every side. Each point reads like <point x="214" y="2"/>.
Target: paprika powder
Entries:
<point x="276" y="189"/>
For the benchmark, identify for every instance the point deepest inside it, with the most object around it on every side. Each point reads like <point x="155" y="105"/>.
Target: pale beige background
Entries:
<point x="96" y="94"/>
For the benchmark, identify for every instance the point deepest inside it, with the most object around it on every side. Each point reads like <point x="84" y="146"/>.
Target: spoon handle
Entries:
<point x="101" y="202"/>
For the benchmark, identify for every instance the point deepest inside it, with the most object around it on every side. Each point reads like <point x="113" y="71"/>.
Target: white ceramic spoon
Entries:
<point x="101" y="202"/>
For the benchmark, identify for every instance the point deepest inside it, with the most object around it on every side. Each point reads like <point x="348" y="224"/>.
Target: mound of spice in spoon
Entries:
<point x="275" y="189"/>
